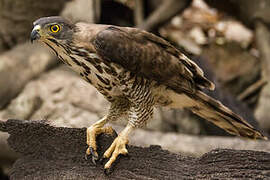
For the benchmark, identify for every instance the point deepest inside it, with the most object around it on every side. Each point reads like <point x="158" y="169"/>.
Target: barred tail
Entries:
<point x="215" y="112"/>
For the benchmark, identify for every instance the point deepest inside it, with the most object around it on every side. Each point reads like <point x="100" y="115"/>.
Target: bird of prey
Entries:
<point x="135" y="70"/>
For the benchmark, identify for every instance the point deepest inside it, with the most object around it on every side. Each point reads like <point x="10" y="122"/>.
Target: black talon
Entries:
<point x="94" y="160"/>
<point x="94" y="156"/>
<point x="92" y="151"/>
<point x="101" y="160"/>
<point x="85" y="156"/>
<point x="107" y="171"/>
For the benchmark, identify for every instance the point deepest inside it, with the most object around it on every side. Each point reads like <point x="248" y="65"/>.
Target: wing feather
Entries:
<point x="150" y="56"/>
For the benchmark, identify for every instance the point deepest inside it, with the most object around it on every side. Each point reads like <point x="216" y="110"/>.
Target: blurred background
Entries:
<point x="229" y="39"/>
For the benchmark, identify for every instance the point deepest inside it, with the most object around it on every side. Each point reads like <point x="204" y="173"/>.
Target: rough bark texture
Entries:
<point x="19" y="65"/>
<point x="16" y="18"/>
<point x="58" y="153"/>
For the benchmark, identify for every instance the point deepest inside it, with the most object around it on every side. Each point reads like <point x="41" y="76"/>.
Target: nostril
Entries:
<point x="34" y="35"/>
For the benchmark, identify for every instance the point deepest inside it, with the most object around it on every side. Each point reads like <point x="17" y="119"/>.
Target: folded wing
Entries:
<point x="151" y="57"/>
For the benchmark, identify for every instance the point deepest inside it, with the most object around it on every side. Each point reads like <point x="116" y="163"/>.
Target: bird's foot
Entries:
<point x="91" y="135"/>
<point x="117" y="147"/>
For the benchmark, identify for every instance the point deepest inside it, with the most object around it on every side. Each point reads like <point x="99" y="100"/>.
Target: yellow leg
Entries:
<point x="118" y="146"/>
<point x="91" y="135"/>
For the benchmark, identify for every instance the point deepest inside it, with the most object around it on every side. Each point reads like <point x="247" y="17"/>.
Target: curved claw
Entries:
<point x="91" y="135"/>
<point x="85" y="156"/>
<point x="93" y="153"/>
<point x="102" y="159"/>
<point x="107" y="171"/>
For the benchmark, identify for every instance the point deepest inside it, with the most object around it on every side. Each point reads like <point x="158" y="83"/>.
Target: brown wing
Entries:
<point x="150" y="56"/>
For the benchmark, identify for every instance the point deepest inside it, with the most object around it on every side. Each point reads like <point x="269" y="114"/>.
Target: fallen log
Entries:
<point x="58" y="153"/>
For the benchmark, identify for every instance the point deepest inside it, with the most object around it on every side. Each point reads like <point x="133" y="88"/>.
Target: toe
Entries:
<point x="109" y="151"/>
<point x="107" y="171"/>
<point x="91" y="134"/>
<point x="118" y="147"/>
<point x="108" y="130"/>
<point x="124" y="151"/>
<point x="111" y="160"/>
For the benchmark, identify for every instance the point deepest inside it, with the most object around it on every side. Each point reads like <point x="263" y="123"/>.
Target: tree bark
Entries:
<point x="58" y="153"/>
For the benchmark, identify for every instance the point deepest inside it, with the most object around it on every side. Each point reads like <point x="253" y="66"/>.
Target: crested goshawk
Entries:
<point x="135" y="71"/>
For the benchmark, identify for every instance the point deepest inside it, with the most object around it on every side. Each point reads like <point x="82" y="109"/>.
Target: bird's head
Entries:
<point x="52" y="28"/>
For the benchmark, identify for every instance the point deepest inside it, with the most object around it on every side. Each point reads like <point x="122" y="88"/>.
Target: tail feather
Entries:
<point x="215" y="112"/>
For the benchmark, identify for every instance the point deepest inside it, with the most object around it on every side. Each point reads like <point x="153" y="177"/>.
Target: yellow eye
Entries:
<point x="55" y="28"/>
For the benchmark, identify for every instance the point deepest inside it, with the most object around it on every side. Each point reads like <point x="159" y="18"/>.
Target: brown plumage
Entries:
<point x="150" y="56"/>
<point x="135" y="70"/>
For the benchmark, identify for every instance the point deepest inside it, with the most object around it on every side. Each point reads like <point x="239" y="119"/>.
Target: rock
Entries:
<point x="235" y="31"/>
<point x="72" y="103"/>
<point x="62" y="97"/>
<point x="197" y="34"/>
<point x="19" y="65"/>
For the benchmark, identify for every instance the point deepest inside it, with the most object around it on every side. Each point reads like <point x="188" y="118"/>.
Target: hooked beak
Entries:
<point x="35" y="33"/>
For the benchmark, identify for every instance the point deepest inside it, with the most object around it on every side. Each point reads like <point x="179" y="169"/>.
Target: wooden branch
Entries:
<point x="252" y="89"/>
<point x="97" y="9"/>
<point x="139" y="12"/>
<point x="58" y="153"/>
<point x="167" y="10"/>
